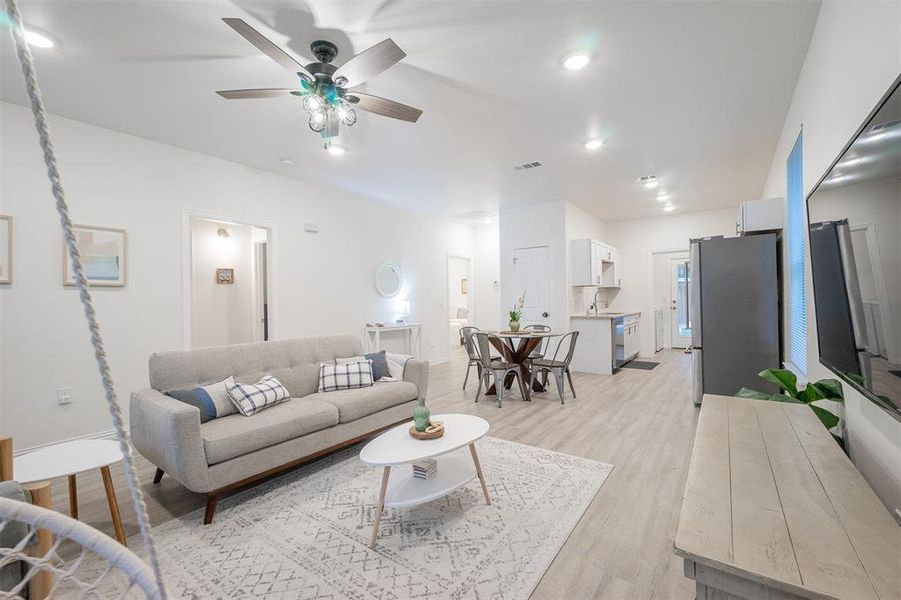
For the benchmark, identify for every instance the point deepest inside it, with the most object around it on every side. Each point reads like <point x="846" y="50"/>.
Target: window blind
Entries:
<point x="797" y="240"/>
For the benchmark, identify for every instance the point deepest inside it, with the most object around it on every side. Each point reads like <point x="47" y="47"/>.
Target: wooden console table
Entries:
<point x="372" y="337"/>
<point x="773" y="508"/>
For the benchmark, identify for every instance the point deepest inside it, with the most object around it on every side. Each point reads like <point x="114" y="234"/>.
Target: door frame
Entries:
<point x="648" y="340"/>
<point x="187" y="276"/>
<point x="673" y="322"/>
<point x="470" y="272"/>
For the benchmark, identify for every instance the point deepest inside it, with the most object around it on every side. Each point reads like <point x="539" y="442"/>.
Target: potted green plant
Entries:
<point x="516" y="313"/>
<point x="824" y="389"/>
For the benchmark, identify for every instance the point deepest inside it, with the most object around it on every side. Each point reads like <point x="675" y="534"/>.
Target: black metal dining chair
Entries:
<point x="498" y="368"/>
<point x="558" y="368"/>
<point x="471" y="351"/>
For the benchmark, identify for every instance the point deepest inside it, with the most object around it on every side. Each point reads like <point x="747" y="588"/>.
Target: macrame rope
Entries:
<point x="115" y="409"/>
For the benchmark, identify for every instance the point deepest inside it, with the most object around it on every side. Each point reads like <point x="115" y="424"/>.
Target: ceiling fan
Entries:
<point x="327" y="91"/>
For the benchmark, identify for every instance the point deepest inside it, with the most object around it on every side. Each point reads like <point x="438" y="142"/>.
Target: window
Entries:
<point x="797" y="240"/>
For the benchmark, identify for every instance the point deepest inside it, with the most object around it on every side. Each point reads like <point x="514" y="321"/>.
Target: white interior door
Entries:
<point x="532" y="276"/>
<point x="680" y="314"/>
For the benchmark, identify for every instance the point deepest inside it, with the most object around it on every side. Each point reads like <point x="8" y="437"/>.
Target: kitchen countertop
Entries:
<point x="607" y="315"/>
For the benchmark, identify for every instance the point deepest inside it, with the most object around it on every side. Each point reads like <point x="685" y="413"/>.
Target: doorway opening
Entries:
<point x="230" y="291"/>
<point x="670" y="293"/>
<point x="459" y="296"/>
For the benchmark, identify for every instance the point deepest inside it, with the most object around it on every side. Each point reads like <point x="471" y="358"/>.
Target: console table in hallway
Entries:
<point x="372" y="337"/>
<point x="773" y="508"/>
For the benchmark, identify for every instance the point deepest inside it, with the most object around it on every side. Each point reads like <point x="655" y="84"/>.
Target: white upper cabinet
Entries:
<point x="595" y="264"/>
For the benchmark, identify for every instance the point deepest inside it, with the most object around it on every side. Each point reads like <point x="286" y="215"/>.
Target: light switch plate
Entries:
<point x="64" y="396"/>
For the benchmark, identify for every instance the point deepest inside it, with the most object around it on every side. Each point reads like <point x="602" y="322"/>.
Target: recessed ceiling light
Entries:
<point x="286" y="161"/>
<point x="594" y="144"/>
<point x="669" y="208"/>
<point x="576" y="60"/>
<point x="336" y="150"/>
<point x="661" y="197"/>
<point x="38" y="40"/>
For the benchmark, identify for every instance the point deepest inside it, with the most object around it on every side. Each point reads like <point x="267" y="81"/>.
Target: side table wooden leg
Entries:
<point x="380" y="506"/>
<point x="113" y="504"/>
<point x="42" y="582"/>
<point x="475" y="460"/>
<point x="73" y="497"/>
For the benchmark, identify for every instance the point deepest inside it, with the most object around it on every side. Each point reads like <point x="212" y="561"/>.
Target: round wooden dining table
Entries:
<point x="517" y="352"/>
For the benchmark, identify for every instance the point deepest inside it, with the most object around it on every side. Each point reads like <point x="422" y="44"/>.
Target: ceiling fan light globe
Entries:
<point x="318" y="121"/>
<point x="312" y="103"/>
<point x="350" y="117"/>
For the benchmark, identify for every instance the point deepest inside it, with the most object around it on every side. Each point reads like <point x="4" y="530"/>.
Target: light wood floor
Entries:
<point x="643" y="422"/>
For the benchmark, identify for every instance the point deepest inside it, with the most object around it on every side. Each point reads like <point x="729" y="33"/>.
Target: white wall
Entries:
<point x="322" y="283"/>
<point x="222" y="314"/>
<point x="487" y="275"/>
<point x="638" y="238"/>
<point x="529" y="227"/>
<point x="854" y="56"/>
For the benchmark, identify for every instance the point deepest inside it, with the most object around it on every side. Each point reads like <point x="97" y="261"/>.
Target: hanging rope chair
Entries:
<point x="68" y="575"/>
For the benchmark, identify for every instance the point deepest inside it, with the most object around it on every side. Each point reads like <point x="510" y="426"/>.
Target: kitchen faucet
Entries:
<point x="599" y="292"/>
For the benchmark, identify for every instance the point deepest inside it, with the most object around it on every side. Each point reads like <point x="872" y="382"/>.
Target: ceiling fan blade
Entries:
<point x="384" y="107"/>
<point x="267" y="47"/>
<point x="256" y="93"/>
<point x="368" y="63"/>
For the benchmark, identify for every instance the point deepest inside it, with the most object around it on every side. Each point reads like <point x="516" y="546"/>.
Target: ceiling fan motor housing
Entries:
<point x="324" y="51"/>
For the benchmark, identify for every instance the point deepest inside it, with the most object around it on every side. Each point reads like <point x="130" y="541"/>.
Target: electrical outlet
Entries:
<point x="64" y="396"/>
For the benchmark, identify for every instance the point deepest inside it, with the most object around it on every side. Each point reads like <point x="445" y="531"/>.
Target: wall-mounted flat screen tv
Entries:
<point x="855" y="249"/>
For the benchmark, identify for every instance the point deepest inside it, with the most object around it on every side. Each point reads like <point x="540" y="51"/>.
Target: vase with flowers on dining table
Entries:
<point x="516" y="313"/>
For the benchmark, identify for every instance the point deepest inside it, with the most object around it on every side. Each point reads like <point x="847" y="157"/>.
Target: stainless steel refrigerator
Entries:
<point x="735" y="312"/>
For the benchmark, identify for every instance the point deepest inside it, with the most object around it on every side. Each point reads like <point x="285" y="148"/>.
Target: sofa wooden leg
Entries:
<point x="211" y="501"/>
<point x="158" y="476"/>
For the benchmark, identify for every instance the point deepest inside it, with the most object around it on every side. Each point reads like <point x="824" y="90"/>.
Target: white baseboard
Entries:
<point x="109" y="434"/>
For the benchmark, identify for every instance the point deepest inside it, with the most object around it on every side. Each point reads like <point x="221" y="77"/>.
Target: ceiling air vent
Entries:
<point x="531" y="165"/>
<point x="646" y="179"/>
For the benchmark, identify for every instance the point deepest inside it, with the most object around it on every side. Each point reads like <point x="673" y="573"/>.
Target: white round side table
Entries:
<point x="397" y="447"/>
<point x="69" y="459"/>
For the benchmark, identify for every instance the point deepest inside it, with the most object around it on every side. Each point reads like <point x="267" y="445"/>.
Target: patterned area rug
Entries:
<point x="305" y="534"/>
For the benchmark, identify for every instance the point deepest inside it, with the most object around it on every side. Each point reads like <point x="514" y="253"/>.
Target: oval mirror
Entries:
<point x="388" y="279"/>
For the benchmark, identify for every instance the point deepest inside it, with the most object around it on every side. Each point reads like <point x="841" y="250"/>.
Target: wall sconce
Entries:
<point x="223" y="233"/>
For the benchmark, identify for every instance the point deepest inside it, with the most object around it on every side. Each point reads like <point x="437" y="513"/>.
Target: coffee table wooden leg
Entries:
<point x="113" y="504"/>
<point x="380" y="506"/>
<point x="73" y="497"/>
<point x="475" y="460"/>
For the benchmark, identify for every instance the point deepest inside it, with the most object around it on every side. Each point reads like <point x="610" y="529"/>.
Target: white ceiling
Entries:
<point x="695" y="92"/>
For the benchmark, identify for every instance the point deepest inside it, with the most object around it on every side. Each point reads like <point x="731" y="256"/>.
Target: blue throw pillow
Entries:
<point x="379" y="363"/>
<point x="212" y="400"/>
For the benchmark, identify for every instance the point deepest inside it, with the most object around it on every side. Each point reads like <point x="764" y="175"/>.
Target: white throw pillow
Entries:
<point x="346" y="376"/>
<point x="396" y="364"/>
<point x="250" y="398"/>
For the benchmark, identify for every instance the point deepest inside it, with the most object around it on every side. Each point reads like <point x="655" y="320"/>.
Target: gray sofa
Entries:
<point x="230" y="452"/>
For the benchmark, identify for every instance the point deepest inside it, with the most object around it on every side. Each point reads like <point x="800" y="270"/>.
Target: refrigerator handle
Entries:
<point x="852" y="285"/>
<point x="694" y="298"/>
<point x="697" y="376"/>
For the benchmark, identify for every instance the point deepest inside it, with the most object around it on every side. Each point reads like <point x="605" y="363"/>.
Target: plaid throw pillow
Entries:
<point x="346" y="376"/>
<point x="250" y="398"/>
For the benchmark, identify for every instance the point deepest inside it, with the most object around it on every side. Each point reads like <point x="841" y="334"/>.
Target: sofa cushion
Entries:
<point x="251" y="398"/>
<point x="235" y="435"/>
<point x="212" y="400"/>
<point x="354" y="404"/>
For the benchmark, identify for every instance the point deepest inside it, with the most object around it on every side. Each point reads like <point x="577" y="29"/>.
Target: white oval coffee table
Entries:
<point x="397" y="447"/>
